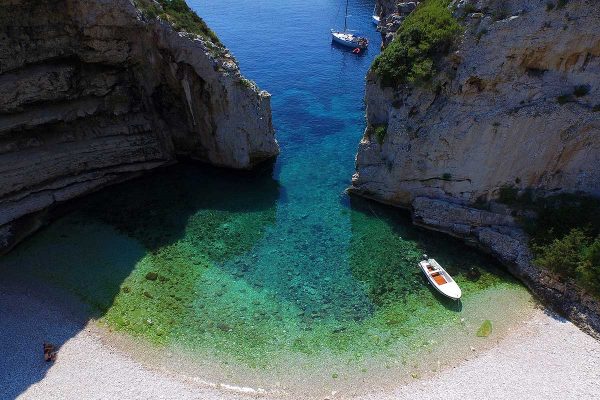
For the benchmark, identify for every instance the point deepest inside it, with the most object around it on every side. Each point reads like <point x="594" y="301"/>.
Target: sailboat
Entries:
<point x="375" y="18"/>
<point x="349" y="39"/>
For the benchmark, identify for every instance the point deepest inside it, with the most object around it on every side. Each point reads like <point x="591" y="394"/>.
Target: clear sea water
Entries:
<point x="276" y="278"/>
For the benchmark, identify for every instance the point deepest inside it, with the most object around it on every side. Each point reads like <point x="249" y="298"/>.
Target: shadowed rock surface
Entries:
<point x="94" y="92"/>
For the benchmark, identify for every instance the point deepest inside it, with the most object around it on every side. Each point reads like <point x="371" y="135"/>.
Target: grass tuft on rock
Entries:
<point x="581" y="90"/>
<point x="563" y="99"/>
<point x="247" y="83"/>
<point x="380" y="132"/>
<point x="180" y="15"/>
<point x="427" y="34"/>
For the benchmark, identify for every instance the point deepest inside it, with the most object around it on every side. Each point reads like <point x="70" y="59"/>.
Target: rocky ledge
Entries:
<point x="93" y="92"/>
<point x="515" y="104"/>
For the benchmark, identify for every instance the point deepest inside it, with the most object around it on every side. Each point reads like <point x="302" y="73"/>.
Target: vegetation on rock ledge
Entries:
<point x="179" y="14"/>
<point x="380" y="132"/>
<point x="565" y="235"/>
<point x="566" y="238"/>
<point x="425" y="35"/>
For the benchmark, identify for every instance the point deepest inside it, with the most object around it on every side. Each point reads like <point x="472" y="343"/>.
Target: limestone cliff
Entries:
<point x="515" y="104"/>
<point x="93" y="92"/>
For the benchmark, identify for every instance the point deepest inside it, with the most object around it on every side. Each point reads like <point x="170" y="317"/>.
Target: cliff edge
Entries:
<point x="94" y="92"/>
<point x="514" y="104"/>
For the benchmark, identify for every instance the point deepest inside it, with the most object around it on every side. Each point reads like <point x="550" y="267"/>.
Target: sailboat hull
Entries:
<point x="349" y="40"/>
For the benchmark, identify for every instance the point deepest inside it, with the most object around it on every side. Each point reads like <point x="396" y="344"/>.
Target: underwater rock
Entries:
<point x="50" y="352"/>
<point x="473" y="274"/>
<point x="339" y="329"/>
<point x="485" y="329"/>
<point x="151" y="276"/>
<point x="224" y="327"/>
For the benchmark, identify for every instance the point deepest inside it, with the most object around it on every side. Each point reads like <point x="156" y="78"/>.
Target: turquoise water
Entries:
<point x="278" y="269"/>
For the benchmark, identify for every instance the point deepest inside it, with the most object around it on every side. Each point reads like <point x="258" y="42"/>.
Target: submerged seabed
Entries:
<point x="207" y="268"/>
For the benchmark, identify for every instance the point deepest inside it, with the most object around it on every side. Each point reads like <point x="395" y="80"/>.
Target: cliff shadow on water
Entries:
<point x="386" y="247"/>
<point x="132" y="253"/>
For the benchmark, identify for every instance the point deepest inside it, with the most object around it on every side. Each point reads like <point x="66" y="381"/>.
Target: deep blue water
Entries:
<point x="317" y="88"/>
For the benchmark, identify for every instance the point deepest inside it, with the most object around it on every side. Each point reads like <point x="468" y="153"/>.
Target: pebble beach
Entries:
<point x="543" y="358"/>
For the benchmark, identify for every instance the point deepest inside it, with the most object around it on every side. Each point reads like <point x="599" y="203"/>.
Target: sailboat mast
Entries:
<point x="346" y="17"/>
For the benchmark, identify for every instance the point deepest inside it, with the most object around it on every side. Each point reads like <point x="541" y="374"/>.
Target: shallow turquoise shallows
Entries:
<point x="272" y="278"/>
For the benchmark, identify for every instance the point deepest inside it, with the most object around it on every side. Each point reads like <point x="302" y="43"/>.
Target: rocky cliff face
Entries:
<point x="517" y="104"/>
<point x="498" y="116"/>
<point x="92" y="92"/>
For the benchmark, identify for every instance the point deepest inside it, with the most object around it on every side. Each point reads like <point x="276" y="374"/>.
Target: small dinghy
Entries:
<point x="439" y="278"/>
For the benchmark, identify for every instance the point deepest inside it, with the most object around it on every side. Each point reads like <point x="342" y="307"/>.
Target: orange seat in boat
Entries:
<point x="439" y="279"/>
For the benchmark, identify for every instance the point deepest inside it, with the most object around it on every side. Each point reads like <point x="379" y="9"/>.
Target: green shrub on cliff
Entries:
<point x="588" y="269"/>
<point x="380" y="132"/>
<point x="565" y="238"/>
<point x="563" y="255"/>
<point x="425" y="35"/>
<point x="565" y="234"/>
<point x="180" y="15"/>
<point x="558" y="215"/>
<point x="576" y="255"/>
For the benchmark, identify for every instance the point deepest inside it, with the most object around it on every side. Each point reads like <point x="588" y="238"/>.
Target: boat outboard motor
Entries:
<point x="425" y="257"/>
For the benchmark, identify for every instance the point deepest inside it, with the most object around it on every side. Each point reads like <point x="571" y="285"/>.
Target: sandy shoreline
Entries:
<point x="546" y="357"/>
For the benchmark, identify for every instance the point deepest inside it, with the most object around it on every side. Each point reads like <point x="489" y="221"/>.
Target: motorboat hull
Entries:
<point x="439" y="278"/>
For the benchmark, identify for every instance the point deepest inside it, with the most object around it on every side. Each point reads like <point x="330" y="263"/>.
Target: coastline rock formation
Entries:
<point x="94" y="92"/>
<point x="515" y="105"/>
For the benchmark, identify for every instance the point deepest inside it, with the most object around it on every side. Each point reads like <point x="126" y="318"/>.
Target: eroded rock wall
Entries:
<point x="92" y="93"/>
<point x="503" y="112"/>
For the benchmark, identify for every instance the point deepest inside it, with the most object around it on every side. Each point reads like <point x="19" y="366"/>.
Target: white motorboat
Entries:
<point x="347" y="38"/>
<point x="439" y="278"/>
